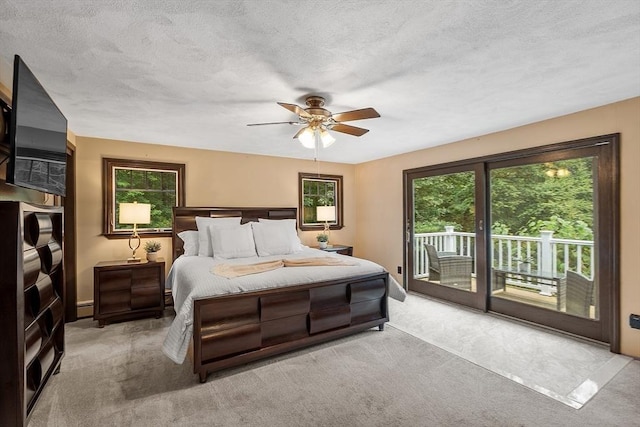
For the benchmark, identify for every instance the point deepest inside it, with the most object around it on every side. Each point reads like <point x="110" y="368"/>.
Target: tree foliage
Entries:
<point x="444" y="200"/>
<point x="158" y="188"/>
<point x="526" y="199"/>
<point x="317" y="192"/>
<point x="554" y="196"/>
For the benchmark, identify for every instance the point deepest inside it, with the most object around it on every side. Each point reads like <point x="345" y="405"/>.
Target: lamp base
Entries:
<point x="135" y="238"/>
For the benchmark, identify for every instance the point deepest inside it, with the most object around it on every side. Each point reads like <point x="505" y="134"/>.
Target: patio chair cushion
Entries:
<point x="579" y="293"/>
<point x="449" y="269"/>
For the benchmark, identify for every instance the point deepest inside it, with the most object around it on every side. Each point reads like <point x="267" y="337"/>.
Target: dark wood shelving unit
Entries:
<point x="31" y="307"/>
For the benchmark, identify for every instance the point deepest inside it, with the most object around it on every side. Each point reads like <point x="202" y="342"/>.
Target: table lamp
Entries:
<point x="326" y="214"/>
<point x="134" y="213"/>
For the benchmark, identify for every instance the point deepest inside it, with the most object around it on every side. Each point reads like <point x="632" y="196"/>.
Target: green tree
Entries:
<point x="444" y="200"/>
<point x="526" y="198"/>
<point x="147" y="186"/>
<point x="555" y="196"/>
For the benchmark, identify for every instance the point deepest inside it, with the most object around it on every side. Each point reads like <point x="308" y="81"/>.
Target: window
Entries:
<point x="159" y="184"/>
<point x="319" y="190"/>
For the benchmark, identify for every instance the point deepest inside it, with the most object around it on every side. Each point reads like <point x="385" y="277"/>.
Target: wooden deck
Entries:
<point x="524" y="296"/>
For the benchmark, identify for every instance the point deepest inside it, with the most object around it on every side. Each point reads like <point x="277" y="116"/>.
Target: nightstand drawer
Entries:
<point x="126" y="290"/>
<point x="145" y="277"/>
<point x="144" y="297"/>
<point x="115" y="302"/>
<point x="113" y="281"/>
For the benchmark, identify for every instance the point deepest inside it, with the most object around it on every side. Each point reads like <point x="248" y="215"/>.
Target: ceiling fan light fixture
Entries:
<point x="318" y="121"/>
<point x="326" y="138"/>
<point x="307" y="138"/>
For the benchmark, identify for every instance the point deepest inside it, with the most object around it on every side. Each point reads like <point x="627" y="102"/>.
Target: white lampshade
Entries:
<point x="135" y="213"/>
<point x="307" y="138"/>
<point x="326" y="138"/>
<point x="326" y="213"/>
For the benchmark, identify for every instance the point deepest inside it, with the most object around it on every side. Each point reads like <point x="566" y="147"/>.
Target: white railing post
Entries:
<point x="420" y="258"/>
<point x="450" y="244"/>
<point x="546" y="258"/>
<point x="546" y="251"/>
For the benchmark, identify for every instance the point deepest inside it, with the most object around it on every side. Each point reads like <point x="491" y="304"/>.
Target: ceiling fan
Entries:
<point x="317" y="121"/>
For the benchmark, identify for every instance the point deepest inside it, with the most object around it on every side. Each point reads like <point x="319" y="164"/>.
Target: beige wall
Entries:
<point x="379" y="190"/>
<point x="5" y="93"/>
<point x="213" y="178"/>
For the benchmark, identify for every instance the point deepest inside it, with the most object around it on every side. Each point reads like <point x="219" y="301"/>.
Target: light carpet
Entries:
<point x="118" y="376"/>
<point x="567" y="369"/>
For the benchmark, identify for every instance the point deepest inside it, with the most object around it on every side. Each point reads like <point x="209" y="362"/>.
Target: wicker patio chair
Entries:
<point x="578" y="294"/>
<point x="448" y="268"/>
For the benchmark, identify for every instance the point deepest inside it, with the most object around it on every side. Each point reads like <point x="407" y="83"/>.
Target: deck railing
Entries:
<point x="543" y="253"/>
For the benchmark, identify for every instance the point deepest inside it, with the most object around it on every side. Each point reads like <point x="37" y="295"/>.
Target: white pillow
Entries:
<point x="292" y="223"/>
<point x="204" y="237"/>
<point x="189" y="242"/>
<point x="232" y="241"/>
<point x="274" y="238"/>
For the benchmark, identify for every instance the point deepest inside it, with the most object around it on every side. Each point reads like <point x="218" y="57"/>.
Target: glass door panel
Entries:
<point x="542" y="236"/>
<point x="444" y="236"/>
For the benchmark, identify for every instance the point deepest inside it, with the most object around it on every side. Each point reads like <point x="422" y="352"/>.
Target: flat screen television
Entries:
<point x="37" y="136"/>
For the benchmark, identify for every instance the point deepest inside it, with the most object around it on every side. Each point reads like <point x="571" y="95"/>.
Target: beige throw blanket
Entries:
<point x="309" y="262"/>
<point x="230" y="271"/>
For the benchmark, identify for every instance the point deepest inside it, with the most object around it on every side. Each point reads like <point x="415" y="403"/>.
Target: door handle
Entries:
<point x="408" y="231"/>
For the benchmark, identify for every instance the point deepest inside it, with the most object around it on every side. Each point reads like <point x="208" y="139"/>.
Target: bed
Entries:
<point x="243" y="319"/>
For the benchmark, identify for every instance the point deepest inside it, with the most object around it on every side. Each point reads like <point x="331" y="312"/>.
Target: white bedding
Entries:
<point x="190" y="278"/>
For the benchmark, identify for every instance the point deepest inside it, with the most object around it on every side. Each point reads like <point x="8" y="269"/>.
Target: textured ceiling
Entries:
<point x="194" y="73"/>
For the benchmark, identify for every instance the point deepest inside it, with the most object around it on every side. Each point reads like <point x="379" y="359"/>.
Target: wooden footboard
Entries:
<point x="235" y="329"/>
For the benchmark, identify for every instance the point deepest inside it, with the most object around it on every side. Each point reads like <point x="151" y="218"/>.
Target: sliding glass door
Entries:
<point x="542" y="227"/>
<point x="550" y="239"/>
<point x="548" y="252"/>
<point x="443" y="230"/>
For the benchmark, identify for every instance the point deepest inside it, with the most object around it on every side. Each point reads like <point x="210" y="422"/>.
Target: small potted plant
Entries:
<point x="322" y="239"/>
<point x="524" y="264"/>
<point x="151" y="248"/>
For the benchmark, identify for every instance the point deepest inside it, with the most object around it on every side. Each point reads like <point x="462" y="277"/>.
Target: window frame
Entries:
<point x="108" y="198"/>
<point x="339" y="224"/>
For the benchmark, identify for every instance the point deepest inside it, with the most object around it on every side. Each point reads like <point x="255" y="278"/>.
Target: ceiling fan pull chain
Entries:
<point x="315" y="157"/>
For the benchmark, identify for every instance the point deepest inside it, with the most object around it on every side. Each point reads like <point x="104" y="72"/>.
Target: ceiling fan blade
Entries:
<point x="295" y="109"/>
<point x="351" y="130"/>
<point x="275" y="123"/>
<point x="347" y="116"/>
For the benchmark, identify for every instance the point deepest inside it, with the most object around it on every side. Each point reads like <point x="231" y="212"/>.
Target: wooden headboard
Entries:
<point x="184" y="218"/>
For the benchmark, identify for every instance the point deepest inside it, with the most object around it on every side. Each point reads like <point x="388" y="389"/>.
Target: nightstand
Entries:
<point x="340" y="249"/>
<point x="125" y="290"/>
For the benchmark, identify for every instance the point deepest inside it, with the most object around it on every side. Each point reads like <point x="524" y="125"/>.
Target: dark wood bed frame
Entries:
<point x="232" y="330"/>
